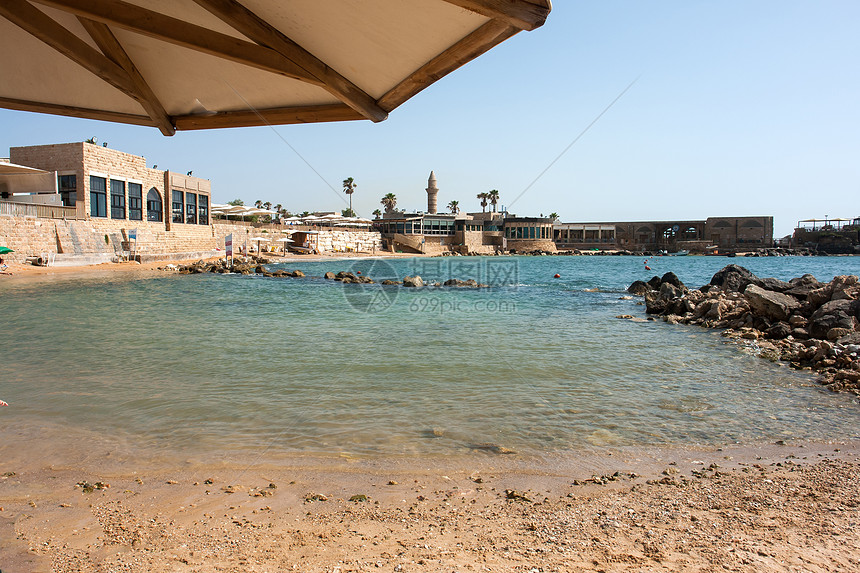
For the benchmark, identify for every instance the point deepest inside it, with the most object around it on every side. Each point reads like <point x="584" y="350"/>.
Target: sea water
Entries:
<point x="228" y="364"/>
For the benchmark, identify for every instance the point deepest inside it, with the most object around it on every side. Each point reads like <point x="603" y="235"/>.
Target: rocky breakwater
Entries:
<point x="805" y="322"/>
<point x="254" y="265"/>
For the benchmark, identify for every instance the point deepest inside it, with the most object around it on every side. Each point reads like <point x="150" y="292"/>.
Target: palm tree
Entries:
<point x="454" y="207"/>
<point x="483" y="197"/>
<point x="553" y="216"/>
<point x="349" y="186"/>
<point x="268" y="205"/>
<point x="258" y="204"/>
<point x="493" y="196"/>
<point x="389" y="201"/>
<point x="377" y="213"/>
<point x="237" y="202"/>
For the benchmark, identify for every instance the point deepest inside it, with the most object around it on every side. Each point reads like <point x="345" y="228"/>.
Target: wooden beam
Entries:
<point x="260" y="31"/>
<point x="110" y="46"/>
<point x="43" y="27"/>
<point x="490" y="34"/>
<point x="70" y="111"/>
<point x="178" y="32"/>
<point x="275" y="116"/>
<point x="518" y="13"/>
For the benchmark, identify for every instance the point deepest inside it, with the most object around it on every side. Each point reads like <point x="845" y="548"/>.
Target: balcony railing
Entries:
<point x="37" y="210"/>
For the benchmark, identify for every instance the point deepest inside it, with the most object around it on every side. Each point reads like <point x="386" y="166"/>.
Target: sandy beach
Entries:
<point x="779" y="507"/>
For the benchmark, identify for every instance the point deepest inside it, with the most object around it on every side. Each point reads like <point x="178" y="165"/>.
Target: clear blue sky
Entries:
<point x="740" y="108"/>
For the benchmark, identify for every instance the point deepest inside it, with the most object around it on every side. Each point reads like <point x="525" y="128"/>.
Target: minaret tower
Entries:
<point x="432" y="191"/>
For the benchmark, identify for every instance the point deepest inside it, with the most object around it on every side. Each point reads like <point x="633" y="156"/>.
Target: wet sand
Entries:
<point x="775" y="507"/>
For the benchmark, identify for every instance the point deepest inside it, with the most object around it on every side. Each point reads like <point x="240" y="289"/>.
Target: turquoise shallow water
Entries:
<point x="210" y="363"/>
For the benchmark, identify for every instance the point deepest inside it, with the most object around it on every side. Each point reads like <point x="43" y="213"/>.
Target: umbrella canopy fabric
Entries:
<point x="202" y="64"/>
<point x="4" y="250"/>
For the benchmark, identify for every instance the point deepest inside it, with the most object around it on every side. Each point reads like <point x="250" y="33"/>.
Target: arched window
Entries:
<point x="154" y="209"/>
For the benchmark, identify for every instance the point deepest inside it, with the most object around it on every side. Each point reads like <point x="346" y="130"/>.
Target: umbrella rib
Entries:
<point x="110" y="46"/>
<point x="72" y="111"/>
<point x="518" y="13"/>
<point x="30" y="19"/>
<point x="178" y="32"/>
<point x="485" y="37"/>
<point x="260" y="31"/>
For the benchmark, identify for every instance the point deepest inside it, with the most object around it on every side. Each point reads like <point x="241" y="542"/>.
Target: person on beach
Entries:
<point x="3" y="267"/>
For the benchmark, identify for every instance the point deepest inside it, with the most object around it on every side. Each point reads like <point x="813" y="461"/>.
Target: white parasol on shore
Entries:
<point x="284" y="240"/>
<point x="258" y="241"/>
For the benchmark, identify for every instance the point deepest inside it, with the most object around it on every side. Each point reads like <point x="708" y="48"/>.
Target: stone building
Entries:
<point x="100" y="195"/>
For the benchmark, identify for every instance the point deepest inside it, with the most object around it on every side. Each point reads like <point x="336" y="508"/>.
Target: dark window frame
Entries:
<point x="177" y="209"/>
<point x="202" y="209"/>
<point x="98" y="196"/>
<point x="191" y="208"/>
<point x="68" y="192"/>
<point x="117" y="199"/>
<point x="135" y="201"/>
<point x="154" y="207"/>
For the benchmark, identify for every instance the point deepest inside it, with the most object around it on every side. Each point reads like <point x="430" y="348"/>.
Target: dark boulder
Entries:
<point x="778" y="331"/>
<point x="329" y="275"/>
<point x="800" y="287"/>
<point x="638" y="288"/>
<point x="673" y="280"/>
<point x="734" y="278"/>
<point x="841" y="314"/>
<point x="775" y="285"/>
<point x="654" y="303"/>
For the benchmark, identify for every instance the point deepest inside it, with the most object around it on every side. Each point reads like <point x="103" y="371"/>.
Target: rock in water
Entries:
<point x="841" y="314"/>
<point x="733" y="278"/>
<point x="638" y="288"/>
<point x="771" y="305"/>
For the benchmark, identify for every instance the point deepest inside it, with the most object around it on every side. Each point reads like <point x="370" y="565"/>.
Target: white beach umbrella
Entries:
<point x="179" y="64"/>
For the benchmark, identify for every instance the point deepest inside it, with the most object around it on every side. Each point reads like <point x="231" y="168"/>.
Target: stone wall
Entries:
<point x="330" y="240"/>
<point x="30" y="236"/>
<point x="341" y="241"/>
<point x="27" y="236"/>
<point x="529" y="245"/>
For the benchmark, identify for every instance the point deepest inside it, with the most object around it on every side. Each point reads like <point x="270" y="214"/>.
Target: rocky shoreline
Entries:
<point x="807" y="323"/>
<point x="256" y="265"/>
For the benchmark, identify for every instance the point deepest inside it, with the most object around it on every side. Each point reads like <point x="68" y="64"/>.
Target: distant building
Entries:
<point x="464" y="233"/>
<point x="714" y="233"/>
<point x="835" y="236"/>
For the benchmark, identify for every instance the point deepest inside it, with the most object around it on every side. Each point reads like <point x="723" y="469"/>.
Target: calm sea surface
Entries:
<point x="212" y="363"/>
